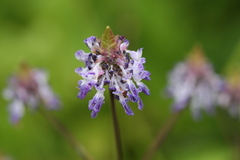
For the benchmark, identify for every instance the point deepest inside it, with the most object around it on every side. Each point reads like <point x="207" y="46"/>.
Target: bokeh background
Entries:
<point x="47" y="33"/>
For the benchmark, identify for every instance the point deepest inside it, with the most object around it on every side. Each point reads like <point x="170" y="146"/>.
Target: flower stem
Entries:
<point x="230" y="133"/>
<point x="77" y="147"/>
<point x="162" y="134"/>
<point x="116" y="128"/>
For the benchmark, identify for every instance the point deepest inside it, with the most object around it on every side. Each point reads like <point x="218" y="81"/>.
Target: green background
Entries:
<point x="47" y="33"/>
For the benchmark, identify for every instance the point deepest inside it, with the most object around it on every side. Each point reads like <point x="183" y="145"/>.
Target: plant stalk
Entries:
<point x="161" y="136"/>
<point x="116" y="128"/>
<point x="77" y="147"/>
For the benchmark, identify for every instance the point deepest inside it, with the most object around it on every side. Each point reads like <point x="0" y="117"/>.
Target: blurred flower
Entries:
<point x="5" y="157"/>
<point x="194" y="83"/>
<point x="111" y="63"/>
<point x="229" y="97"/>
<point x="29" y="87"/>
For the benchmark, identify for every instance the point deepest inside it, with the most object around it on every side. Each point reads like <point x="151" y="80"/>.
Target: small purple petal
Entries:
<point x="133" y="88"/>
<point x="136" y="55"/>
<point x="126" y="41"/>
<point x="124" y="46"/>
<point x="144" y="74"/>
<point x="99" y="105"/>
<point x="81" y="55"/>
<point x="140" y="66"/>
<point x="127" y="109"/>
<point x="106" y="82"/>
<point x="92" y="103"/>
<point x="112" y="88"/>
<point x="78" y="70"/>
<point x="143" y="88"/>
<point x="96" y="103"/>
<point x="127" y="58"/>
<point x="79" y="83"/>
<point x="90" y="41"/>
<point x="94" y="114"/>
<point x="147" y="78"/>
<point x="91" y="73"/>
<point x="143" y="60"/>
<point x="94" y="57"/>
<point x="84" y="89"/>
<point x="140" y="104"/>
<point x="126" y="65"/>
<point x="131" y="97"/>
<point x="88" y="64"/>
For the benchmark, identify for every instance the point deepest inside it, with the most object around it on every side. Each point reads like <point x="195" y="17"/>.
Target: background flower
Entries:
<point x="28" y="87"/>
<point x="193" y="83"/>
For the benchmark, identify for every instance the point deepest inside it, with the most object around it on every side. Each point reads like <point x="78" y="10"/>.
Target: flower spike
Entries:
<point x="111" y="63"/>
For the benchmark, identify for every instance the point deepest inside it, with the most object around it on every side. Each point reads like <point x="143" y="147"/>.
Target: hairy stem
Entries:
<point x="161" y="136"/>
<point x="77" y="147"/>
<point x="116" y="128"/>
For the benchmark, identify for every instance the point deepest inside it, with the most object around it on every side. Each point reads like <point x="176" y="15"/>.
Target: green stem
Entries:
<point x="77" y="147"/>
<point x="116" y="128"/>
<point x="230" y="133"/>
<point x="161" y="136"/>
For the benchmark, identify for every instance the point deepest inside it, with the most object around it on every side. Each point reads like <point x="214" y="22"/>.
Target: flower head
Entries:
<point x="111" y="63"/>
<point x="28" y="87"/>
<point x="194" y="83"/>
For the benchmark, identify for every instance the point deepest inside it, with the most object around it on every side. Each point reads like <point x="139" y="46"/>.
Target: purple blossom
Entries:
<point x="194" y="83"/>
<point x="111" y="63"/>
<point x="29" y="87"/>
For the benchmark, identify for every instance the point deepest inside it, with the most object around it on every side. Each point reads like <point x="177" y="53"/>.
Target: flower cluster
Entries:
<point x="194" y="82"/>
<point x="111" y="63"/>
<point x="29" y="87"/>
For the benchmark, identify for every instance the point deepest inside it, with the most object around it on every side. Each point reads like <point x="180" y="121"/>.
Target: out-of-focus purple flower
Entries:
<point x="111" y="63"/>
<point x="229" y="97"/>
<point x="194" y="83"/>
<point x="29" y="87"/>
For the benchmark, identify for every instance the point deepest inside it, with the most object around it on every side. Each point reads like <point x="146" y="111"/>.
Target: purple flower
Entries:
<point x="111" y="63"/>
<point x="30" y="88"/>
<point x="194" y="83"/>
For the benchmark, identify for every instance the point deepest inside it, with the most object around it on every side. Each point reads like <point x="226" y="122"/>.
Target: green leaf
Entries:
<point x="108" y="39"/>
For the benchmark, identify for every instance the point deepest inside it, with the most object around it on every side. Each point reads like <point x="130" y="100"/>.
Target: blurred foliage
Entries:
<point x="47" y="34"/>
